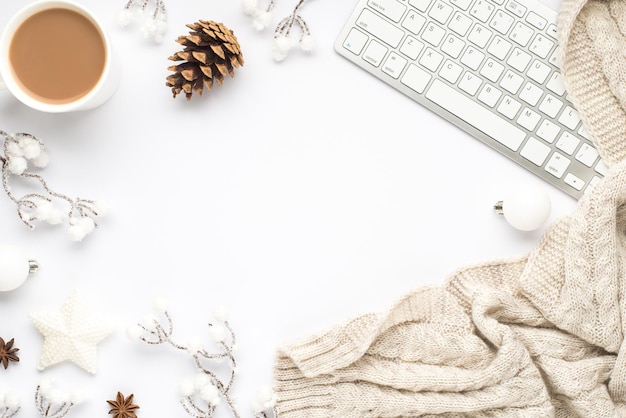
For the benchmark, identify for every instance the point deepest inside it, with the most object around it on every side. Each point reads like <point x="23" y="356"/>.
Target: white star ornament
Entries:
<point x="71" y="334"/>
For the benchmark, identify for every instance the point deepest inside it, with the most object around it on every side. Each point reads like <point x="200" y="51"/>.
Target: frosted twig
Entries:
<point x="154" y="25"/>
<point x="19" y="151"/>
<point x="200" y="397"/>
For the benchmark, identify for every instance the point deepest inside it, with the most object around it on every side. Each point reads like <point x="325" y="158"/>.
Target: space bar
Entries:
<point x="473" y="113"/>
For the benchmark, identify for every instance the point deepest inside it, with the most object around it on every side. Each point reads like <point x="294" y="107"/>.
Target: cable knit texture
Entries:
<point x="539" y="336"/>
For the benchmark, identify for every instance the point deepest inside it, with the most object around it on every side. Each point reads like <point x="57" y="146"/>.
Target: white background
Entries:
<point x="297" y="195"/>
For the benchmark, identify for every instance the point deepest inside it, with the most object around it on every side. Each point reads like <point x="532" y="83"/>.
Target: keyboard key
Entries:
<point x="574" y="181"/>
<point x="433" y="34"/>
<point x="421" y="5"/>
<point x="431" y="59"/>
<point x="393" y="9"/>
<point x="453" y="46"/>
<point x="601" y="168"/>
<point x="550" y="105"/>
<point x="531" y="94"/>
<point x="470" y="83"/>
<point x="499" y="48"/>
<point x="539" y="71"/>
<point x="509" y="107"/>
<point x="567" y="143"/>
<point x="536" y="20"/>
<point x="552" y="31"/>
<point x="479" y="35"/>
<point x="555" y="84"/>
<point x="440" y="12"/>
<point x="502" y="22"/>
<point x="461" y="4"/>
<point x="472" y="58"/>
<point x="535" y="151"/>
<point x="416" y="78"/>
<point x="583" y="132"/>
<point x="355" y="41"/>
<point x="521" y="34"/>
<point x="511" y="82"/>
<point x="482" y="10"/>
<point x="489" y="95"/>
<point x="557" y="165"/>
<point x="451" y="71"/>
<point x="492" y="70"/>
<point x="411" y="47"/>
<point x="541" y="46"/>
<point x="380" y="28"/>
<point x="375" y="53"/>
<point x="471" y="112"/>
<point x="516" y="8"/>
<point x="529" y="119"/>
<point x="394" y="65"/>
<point x="569" y="117"/>
<point x="519" y="60"/>
<point x="548" y="131"/>
<point x="460" y="23"/>
<point x="587" y="155"/>
<point x="413" y="22"/>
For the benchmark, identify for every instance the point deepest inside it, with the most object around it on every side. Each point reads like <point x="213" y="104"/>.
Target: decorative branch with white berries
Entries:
<point x="22" y="149"/>
<point x="50" y="401"/>
<point x="284" y="39"/>
<point x="200" y="396"/>
<point x="154" y="25"/>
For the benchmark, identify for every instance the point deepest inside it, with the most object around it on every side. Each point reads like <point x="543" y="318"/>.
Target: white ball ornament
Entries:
<point x="525" y="208"/>
<point x="15" y="267"/>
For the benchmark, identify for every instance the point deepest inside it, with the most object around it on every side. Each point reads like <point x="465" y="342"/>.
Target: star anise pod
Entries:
<point x="7" y="352"/>
<point x="123" y="407"/>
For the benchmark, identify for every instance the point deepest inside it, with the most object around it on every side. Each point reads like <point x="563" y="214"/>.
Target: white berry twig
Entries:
<point x="22" y="150"/>
<point x="201" y="395"/>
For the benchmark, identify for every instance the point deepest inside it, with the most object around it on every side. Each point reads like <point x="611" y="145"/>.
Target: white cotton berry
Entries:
<point x="217" y="333"/>
<point x="148" y="322"/>
<point x="201" y="381"/>
<point x="124" y="17"/>
<point x="265" y="399"/>
<point x="194" y="345"/>
<point x="221" y="313"/>
<point x="210" y="394"/>
<point x="31" y="148"/>
<point x="133" y="332"/>
<point x="283" y="43"/>
<point x="160" y="304"/>
<point x="13" y="149"/>
<point x="45" y="386"/>
<point x="262" y="20"/>
<point x="11" y="400"/>
<point x="43" y="210"/>
<point x="41" y="160"/>
<point x="17" y="165"/>
<point x="249" y="7"/>
<point x="186" y="388"/>
<point x="307" y="44"/>
<point x="56" y="216"/>
<point x="56" y="396"/>
<point x="80" y="227"/>
<point x="77" y="397"/>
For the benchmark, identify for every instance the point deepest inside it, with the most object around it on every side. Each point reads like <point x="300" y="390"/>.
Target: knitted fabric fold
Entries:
<point x="539" y="336"/>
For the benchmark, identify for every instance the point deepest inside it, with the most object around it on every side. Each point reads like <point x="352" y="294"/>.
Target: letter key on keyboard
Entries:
<point x="488" y="66"/>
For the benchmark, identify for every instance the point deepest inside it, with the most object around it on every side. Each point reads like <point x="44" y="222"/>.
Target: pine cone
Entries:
<point x="211" y="51"/>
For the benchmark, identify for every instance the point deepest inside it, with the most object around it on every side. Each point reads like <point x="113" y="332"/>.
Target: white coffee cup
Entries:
<point x="97" y="95"/>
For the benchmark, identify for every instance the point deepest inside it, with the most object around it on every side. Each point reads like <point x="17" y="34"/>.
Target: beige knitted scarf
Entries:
<point x="540" y="336"/>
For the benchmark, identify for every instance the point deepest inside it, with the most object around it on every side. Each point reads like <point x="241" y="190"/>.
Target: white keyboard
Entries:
<point x="488" y="66"/>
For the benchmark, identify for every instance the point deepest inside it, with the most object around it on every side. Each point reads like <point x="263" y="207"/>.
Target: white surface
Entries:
<point x="297" y="195"/>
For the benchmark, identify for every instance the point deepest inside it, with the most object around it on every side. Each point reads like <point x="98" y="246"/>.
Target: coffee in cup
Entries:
<point x="56" y="57"/>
